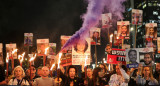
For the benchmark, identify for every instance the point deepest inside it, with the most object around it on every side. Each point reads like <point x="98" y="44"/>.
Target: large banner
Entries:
<point x="66" y="58"/>
<point x="28" y="39"/>
<point x="81" y="50"/>
<point x="1" y="53"/>
<point x="9" y="49"/>
<point x="151" y="35"/>
<point x="106" y="20"/>
<point x="137" y="16"/>
<point x="132" y="57"/>
<point x="123" y="29"/>
<point x="42" y="44"/>
<point x="146" y="56"/>
<point x="95" y="36"/>
<point x="117" y="56"/>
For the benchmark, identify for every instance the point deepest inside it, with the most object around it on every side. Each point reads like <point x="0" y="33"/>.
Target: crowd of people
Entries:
<point x="117" y="75"/>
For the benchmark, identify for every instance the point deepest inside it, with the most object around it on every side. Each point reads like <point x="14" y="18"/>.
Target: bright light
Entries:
<point x="52" y="66"/>
<point x="46" y="50"/>
<point x="59" y="61"/>
<point x="132" y="28"/>
<point x="32" y="58"/>
<point x="86" y="60"/>
<point x="7" y="58"/>
<point x="15" y="50"/>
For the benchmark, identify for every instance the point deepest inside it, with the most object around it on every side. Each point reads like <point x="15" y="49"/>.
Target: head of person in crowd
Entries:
<point x="18" y="72"/>
<point x="158" y="67"/>
<point x="39" y="71"/>
<point x="118" y="70"/>
<point x="81" y="46"/>
<point x="147" y="72"/>
<point x="45" y="72"/>
<point x="132" y="55"/>
<point x="89" y="73"/>
<point x="103" y="66"/>
<point x="108" y="49"/>
<point x="97" y="73"/>
<point x="32" y="70"/>
<point x="148" y="59"/>
<point x="72" y="71"/>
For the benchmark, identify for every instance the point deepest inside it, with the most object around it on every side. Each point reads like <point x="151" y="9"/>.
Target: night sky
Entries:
<point x="44" y="18"/>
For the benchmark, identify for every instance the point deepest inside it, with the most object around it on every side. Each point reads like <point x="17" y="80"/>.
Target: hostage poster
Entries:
<point x="123" y="29"/>
<point x="106" y="20"/>
<point x="137" y="16"/>
<point x="9" y="49"/>
<point x="42" y="44"/>
<point x="118" y="55"/>
<point x="66" y="58"/>
<point x="81" y="51"/>
<point x="95" y="36"/>
<point x="28" y="39"/>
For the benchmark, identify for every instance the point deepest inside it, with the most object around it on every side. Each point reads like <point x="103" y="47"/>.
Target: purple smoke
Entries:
<point x="91" y="18"/>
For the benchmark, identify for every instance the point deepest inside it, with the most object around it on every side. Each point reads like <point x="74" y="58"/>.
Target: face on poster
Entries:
<point x="9" y="49"/>
<point x="95" y="36"/>
<point x="106" y="20"/>
<point x="42" y="44"/>
<point x="64" y="39"/>
<point x="1" y="53"/>
<point x="151" y="34"/>
<point x="137" y="16"/>
<point x="146" y="56"/>
<point x="81" y="50"/>
<point x="123" y="29"/>
<point x="28" y="39"/>
<point x="132" y="57"/>
<point x="52" y="49"/>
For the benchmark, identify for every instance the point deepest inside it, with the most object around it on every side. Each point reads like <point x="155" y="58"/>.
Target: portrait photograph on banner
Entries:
<point x="28" y="39"/>
<point x="137" y="16"/>
<point x="117" y="56"/>
<point x="146" y="56"/>
<point x="52" y="49"/>
<point x="9" y="49"/>
<point x="95" y="36"/>
<point x="151" y="35"/>
<point x="42" y="44"/>
<point x="132" y="57"/>
<point x="66" y="58"/>
<point x="81" y="51"/>
<point x="123" y="29"/>
<point x="106" y="20"/>
<point x="1" y="53"/>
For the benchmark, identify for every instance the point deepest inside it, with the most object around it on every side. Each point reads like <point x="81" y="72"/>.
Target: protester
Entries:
<point x="39" y="71"/>
<point x="18" y="74"/>
<point x="71" y="79"/>
<point x="44" y="80"/>
<point x="157" y="72"/>
<point x="121" y="78"/>
<point x="2" y="75"/>
<point x="145" y="76"/>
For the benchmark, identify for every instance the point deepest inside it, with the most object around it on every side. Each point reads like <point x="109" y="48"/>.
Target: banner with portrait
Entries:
<point x="117" y="41"/>
<point x="81" y="51"/>
<point x="123" y="30"/>
<point x="117" y="56"/>
<point x="132" y="57"/>
<point x="95" y="36"/>
<point x="1" y="53"/>
<point x="66" y="58"/>
<point x="106" y="20"/>
<point x="9" y="49"/>
<point x="52" y="49"/>
<point x="28" y="39"/>
<point x="137" y="16"/>
<point x="146" y="56"/>
<point x="42" y="44"/>
<point x="151" y="35"/>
